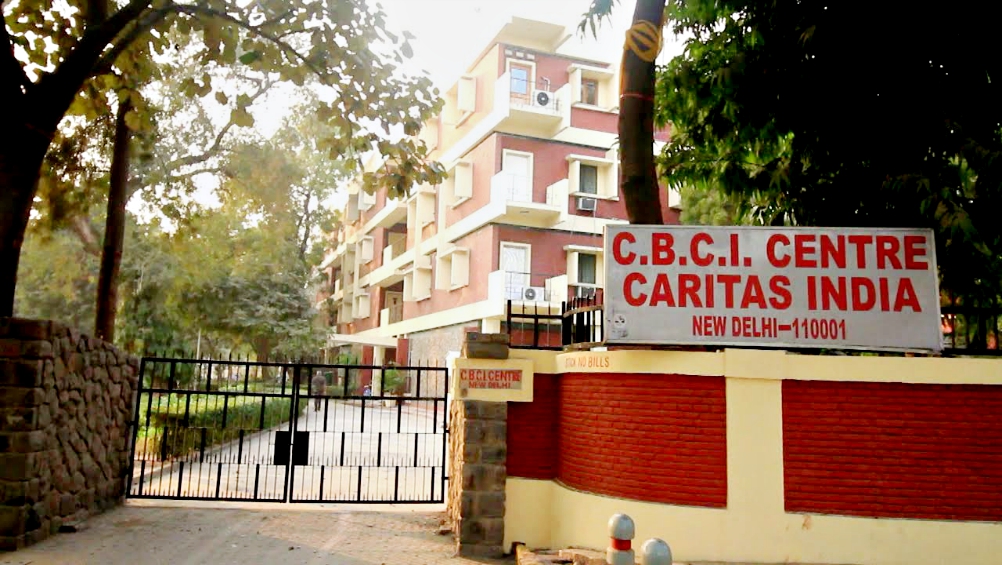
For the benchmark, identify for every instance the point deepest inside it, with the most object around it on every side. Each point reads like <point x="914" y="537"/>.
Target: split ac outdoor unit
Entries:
<point x="586" y="203"/>
<point x="543" y="98"/>
<point x="533" y="294"/>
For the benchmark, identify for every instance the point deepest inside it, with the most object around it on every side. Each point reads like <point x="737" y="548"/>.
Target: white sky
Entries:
<point x="449" y="34"/>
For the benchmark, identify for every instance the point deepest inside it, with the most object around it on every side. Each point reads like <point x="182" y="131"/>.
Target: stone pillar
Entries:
<point x="66" y="404"/>
<point x="477" y="476"/>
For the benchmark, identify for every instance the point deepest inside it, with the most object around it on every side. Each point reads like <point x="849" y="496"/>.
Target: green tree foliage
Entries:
<point x="80" y="58"/>
<point x="707" y="207"/>
<point x="232" y="278"/>
<point x="60" y="280"/>
<point x="833" y="115"/>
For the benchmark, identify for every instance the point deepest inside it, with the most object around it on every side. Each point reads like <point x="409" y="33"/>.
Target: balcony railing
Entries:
<point x="394" y="250"/>
<point x="509" y="187"/>
<point x="534" y="94"/>
<point x="527" y="287"/>
<point x="391" y="315"/>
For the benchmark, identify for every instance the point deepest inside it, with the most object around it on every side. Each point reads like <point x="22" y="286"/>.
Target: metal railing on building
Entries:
<point x="966" y="331"/>
<point x="536" y="94"/>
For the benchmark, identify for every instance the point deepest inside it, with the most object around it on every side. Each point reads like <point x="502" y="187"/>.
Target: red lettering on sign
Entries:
<point x="906" y="297"/>
<point x="661" y="249"/>
<point x="782" y="298"/>
<point x="832" y="251"/>
<point x="713" y="326"/>
<point x="729" y="281"/>
<point x="662" y="292"/>
<point x="634" y="299"/>
<point x="770" y="250"/>
<point x="861" y="302"/>
<point x="803" y="247"/>
<point x="617" y="248"/>
<point x="753" y="293"/>
<point x="915" y="248"/>
<point x="689" y="284"/>
<point x="887" y="251"/>
<point x="830" y="294"/>
<point x="698" y="257"/>
<point x="860" y="242"/>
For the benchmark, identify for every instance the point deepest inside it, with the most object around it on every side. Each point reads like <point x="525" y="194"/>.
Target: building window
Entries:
<point x="589" y="91"/>
<point x="589" y="179"/>
<point x="519" y="80"/>
<point x="587" y="268"/>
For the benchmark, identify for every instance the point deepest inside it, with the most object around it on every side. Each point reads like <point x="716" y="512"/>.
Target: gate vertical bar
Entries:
<point x="445" y="433"/>
<point x="135" y="427"/>
<point x="288" y="492"/>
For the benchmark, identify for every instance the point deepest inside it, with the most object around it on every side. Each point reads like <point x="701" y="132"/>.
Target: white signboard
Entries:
<point x="774" y="287"/>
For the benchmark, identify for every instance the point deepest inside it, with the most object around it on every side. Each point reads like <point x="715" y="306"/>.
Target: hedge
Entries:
<point x="169" y="437"/>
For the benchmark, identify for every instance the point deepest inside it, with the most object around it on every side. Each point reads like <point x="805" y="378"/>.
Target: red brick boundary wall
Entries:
<point x="654" y="438"/>
<point x="893" y="450"/>
<point x="533" y="429"/>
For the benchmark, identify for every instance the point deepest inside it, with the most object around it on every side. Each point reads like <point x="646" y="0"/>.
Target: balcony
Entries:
<point x="392" y="213"/>
<point x="533" y="108"/>
<point x="522" y="207"/>
<point x="395" y="257"/>
<point x="338" y="294"/>
<point x="534" y="97"/>
<point x="523" y="287"/>
<point x="391" y="315"/>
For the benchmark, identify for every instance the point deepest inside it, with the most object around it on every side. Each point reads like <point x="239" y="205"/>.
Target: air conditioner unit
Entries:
<point x="534" y="294"/>
<point x="587" y="204"/>
<point x="543" y="98"/>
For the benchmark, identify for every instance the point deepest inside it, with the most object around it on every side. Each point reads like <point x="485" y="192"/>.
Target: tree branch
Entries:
<point x="57" y="90"/>
<point x="196" y="172"/>
<point x="256" y="30"/>
<point x="16" y="82"/>
<point x="144" y="23"/>
<point x="217" y="143"/>
<point x="82" y="227"/>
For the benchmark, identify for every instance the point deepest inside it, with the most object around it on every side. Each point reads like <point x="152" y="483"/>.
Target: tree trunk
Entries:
<point x="114" y="231"/>
<point x="639" y="182"/>
<point x="262" y="352"/>
<point x="21" y="152"/>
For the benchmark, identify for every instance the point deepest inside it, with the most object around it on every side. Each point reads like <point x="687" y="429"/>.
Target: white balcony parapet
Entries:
<point x="506" y="187"/>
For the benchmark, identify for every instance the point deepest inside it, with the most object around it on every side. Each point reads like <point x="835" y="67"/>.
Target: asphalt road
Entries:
<point x="381" y="454"/>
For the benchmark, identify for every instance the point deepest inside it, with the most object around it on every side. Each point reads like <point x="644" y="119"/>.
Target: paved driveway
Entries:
<point x="352" y="456"/>
<point x="142" y="533"/>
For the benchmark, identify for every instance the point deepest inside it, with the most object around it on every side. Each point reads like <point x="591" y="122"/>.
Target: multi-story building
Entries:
<point x="528" y="138"/>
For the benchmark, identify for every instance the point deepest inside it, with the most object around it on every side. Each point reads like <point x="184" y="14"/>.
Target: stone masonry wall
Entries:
<point x="433" y="346"/>
<point x="477" y="476"/>
<point x="66" y="402"/>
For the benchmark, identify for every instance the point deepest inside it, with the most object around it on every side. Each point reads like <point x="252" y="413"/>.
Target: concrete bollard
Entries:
<point x="655" y="552"/>
<point x="621" y="532"/>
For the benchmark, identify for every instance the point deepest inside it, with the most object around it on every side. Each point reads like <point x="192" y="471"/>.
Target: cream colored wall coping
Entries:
<point x="784" y="365"/>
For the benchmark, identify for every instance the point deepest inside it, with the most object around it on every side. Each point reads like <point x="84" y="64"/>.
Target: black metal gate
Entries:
<point x="289" y="432"/>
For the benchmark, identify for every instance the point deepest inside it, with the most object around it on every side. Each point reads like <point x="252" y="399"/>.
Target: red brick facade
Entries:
<point x="893" y="450"/>
<point x="655" y="438"/>
<point x="532" y="431"/>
